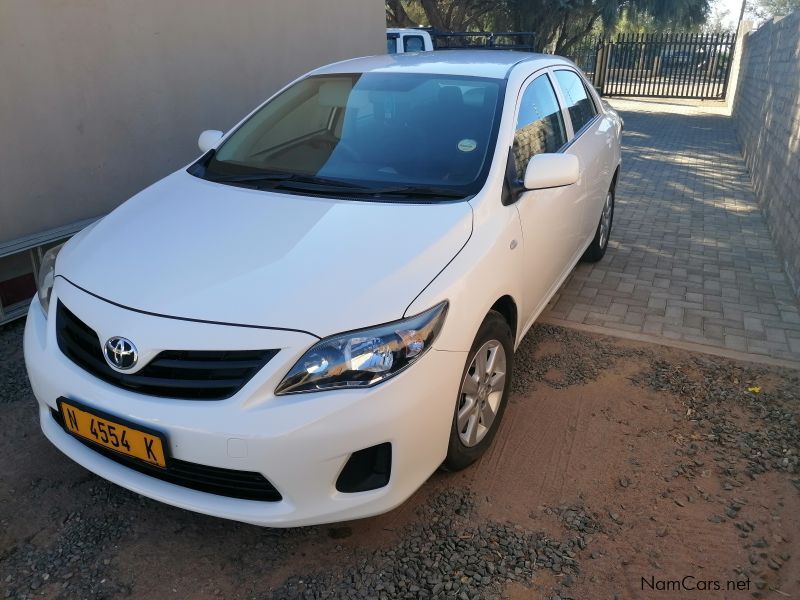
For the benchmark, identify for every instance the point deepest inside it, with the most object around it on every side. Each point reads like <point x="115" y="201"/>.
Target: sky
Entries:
<point x="732" y="6"/>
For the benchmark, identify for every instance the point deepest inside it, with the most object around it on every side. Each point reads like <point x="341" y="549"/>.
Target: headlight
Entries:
<point x="47" y="272"/>
<point x="363" y="358"/>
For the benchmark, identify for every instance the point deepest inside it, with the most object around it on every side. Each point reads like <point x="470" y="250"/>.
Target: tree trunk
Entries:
<point x="433" y="13"/>
<point x="396" y="15"/>
<point x="568" y="43"/>
<point x="562" y="31"/>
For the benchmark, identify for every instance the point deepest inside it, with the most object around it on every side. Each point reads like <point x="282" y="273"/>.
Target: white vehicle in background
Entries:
<point x="400" y="41"/>
<point x="306" y="322"/>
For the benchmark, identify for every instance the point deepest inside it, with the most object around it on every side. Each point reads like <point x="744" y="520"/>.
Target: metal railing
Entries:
<point x="19" y="264"/>
<point x="675" y="65"/>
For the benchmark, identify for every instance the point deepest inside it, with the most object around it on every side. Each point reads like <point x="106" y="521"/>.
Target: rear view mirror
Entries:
<point x="209" y="139"/>
<point x="551" y="170"/>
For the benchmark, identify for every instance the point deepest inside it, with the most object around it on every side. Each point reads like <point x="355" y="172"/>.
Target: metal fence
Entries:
<point x="584" y="54"/>
<point x="662" y="65"/>
<point x="681" y="65"/>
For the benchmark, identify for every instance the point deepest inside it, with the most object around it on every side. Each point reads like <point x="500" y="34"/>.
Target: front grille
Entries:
<point x="246" y="485"/>
<point x="182" y="374"/>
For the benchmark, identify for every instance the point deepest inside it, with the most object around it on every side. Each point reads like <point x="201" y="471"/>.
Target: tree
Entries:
<point x="558" y="24"/>
<point x="445" y="15"/>
<point x="717" y="21"/>
<point x="396" y="15"/>
<point x="766" y="9"/>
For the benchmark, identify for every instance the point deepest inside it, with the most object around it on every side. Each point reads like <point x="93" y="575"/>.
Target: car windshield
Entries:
<point x="369" y="133"/>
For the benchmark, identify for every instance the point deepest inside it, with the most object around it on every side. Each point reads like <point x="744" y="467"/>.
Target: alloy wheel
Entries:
<point x="605" y="220"/>
<point x="481" y="393"/>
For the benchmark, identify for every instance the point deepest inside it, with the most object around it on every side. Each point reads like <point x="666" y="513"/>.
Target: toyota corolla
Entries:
<point x="305" y="323"/>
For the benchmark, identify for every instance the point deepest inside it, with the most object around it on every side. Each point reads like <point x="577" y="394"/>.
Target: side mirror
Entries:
<point x="551" y="170"/>
<point x="209" y="139"/>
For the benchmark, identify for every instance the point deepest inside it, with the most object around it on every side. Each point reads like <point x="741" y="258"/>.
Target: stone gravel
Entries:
<point x="574" y="358"/>
<point x="76" y="561"/>
<point x="750" y="428"/>
<point x="14" y="384"/>
<point x="450" y="553"/>
<point x="748" y="421"/>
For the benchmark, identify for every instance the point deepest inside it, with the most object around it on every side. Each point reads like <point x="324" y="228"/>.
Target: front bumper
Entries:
<point x="299" y="443"/>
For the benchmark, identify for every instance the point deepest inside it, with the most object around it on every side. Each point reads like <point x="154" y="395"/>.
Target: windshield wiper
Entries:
<point x="415" y="191"/>
<point x="278" y="177"/>
<point x="322" y="185"/>
<point x="405" y="191"/>
<point x="251" y="177"/>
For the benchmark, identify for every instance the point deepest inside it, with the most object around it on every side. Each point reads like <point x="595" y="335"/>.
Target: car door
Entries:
<point x="592" y="137"/>
<point x="551" y="219"/>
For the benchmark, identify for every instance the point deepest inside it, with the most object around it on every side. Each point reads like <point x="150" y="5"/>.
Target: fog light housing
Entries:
<point x="367" y="469"/>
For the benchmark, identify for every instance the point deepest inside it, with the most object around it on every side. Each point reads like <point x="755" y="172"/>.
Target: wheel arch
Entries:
<point x="507" y="307"/>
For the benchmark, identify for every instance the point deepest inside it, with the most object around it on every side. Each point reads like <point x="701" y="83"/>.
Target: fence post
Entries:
<point x="600" y="66"/>
<point x="734" y="62"/>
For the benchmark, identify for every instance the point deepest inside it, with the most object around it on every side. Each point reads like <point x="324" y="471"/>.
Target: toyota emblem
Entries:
<point x="120" y="353"/>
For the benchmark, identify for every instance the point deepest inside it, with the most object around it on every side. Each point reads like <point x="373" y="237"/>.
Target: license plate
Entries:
<point x="110" y="433"/>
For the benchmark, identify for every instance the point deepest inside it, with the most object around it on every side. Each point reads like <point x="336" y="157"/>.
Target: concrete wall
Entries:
<point x="100" y="98"/>
<point x="766" y="113"/>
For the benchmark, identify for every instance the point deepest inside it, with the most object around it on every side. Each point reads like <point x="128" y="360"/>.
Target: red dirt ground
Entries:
<point x="618" y="428"/>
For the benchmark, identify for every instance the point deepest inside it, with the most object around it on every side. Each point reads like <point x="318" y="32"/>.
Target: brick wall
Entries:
<point x="766" y="113"/>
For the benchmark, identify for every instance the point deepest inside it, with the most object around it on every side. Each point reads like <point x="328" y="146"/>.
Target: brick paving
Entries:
<point x="690" y="256"/>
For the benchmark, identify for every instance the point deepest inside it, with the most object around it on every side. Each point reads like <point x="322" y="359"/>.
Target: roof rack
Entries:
<point x="493" y="40"/>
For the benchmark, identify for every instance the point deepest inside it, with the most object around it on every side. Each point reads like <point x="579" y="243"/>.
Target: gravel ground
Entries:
<point x="560" y="358"/>
<point x="14" y="384"/>
<point x="448" y="554"/>
<point x="767" y="438"/>
<point x="746" y="429"/>
<point x="616" y="461"/>
<point x="75" y="559"/>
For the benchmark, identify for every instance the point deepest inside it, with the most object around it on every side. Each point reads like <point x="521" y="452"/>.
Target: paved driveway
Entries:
<point x="690" y="258"/>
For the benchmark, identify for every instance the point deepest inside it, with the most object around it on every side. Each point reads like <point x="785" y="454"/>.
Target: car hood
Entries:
<point x="190" y="248"/>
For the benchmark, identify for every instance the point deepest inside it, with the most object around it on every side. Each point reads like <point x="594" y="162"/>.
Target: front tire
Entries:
<point x="597" y="249"/>
<point x="482" y="396"/>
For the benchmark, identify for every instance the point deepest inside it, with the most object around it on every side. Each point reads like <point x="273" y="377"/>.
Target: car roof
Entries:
<point x="495" y="64"/>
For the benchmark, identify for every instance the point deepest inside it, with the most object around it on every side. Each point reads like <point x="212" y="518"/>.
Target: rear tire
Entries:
<point x="482" y="394"/>
<point x="597" y="249"/>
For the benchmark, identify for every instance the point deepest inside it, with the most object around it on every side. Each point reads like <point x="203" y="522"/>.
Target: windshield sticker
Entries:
<point x="467" y="145"/>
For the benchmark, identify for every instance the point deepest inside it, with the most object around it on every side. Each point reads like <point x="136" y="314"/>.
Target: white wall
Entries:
<point x="100" y="98"/>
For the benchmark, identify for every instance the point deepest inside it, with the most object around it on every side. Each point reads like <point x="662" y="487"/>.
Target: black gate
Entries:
<point x="677" y="65"/>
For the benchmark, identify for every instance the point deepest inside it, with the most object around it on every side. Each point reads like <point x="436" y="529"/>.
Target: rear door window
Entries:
<point x="579" y="102"/>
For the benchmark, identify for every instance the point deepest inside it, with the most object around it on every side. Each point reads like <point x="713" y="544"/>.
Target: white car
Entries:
<point x="305" y="323"/>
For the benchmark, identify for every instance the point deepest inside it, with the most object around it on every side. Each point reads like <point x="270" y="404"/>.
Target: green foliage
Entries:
<point x="766" y="9"/>
<point x="559" y="24"/>
<point x="718" y="21"/>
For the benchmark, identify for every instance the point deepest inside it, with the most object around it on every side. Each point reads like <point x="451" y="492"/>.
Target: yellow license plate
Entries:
<point x="111" y="434"/>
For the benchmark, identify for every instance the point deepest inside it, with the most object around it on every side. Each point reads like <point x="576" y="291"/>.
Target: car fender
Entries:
<point x="485" y="270"/>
